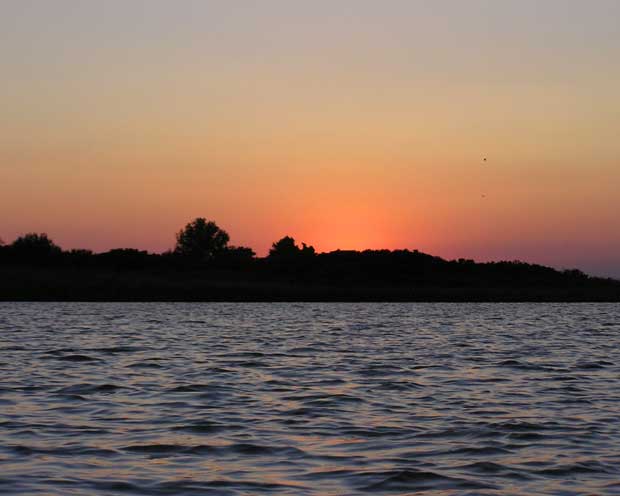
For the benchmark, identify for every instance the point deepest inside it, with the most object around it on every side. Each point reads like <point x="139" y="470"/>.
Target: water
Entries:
<point x="305" y="399"/>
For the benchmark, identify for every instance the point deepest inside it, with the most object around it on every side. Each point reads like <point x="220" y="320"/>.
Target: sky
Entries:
<point x="346" y="124"/>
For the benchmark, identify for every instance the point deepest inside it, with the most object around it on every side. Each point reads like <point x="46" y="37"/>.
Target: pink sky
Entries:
<point x="344" y="127"/>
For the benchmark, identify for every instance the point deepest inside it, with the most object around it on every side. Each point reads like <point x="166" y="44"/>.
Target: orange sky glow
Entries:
<point x="345" y="128"/>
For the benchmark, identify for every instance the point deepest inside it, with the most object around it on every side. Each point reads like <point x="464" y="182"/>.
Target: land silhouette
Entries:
<point x="204" y="267"/>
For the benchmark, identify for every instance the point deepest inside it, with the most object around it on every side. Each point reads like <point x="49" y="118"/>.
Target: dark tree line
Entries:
<point x="200" y="243"/>
<point x="204" y="247"/>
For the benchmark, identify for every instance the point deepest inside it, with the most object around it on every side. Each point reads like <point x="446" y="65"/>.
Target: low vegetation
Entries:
<point x="203" y="267"/>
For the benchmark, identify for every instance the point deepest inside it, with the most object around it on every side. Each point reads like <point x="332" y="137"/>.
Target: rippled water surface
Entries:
<point x="305" y="399"/>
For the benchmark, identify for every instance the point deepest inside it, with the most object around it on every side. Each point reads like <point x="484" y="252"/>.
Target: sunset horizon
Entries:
<point x="523" y="255"/>
<point x="309" y="248"/>
<point x="482" y="131"/>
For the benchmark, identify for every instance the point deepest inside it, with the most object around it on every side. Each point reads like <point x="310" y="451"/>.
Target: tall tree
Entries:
<point x="33" y="247"/>
<point x="201" y="240"/>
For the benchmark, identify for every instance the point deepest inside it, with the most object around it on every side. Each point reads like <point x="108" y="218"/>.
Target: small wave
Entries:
<point x="231" y="487"/>
<point x="596" y="365"/>
<point x="493" y="469"/>
<point x="60" y="351"/>
<point x="489" y="412"/>
<point x="247" y="449"/>
<point x="73" y="397"/>
<point x="588" y="467"/>
<point x="304" y="349"/>
<point x="305" y="412"/>
<point x="14" y="348"/>
<point x="413" y="479"/>
<point x="527" y="436"/>
<point x="63" y="451"/>
<point x="334" y="399"/>
<point x="250" y="364"/>
<point x="145" y="365"/>
<point x="516" y="364"/>
<point x="108" y="486"/>
<point x="113" y="350"/>
<point x="86" y="388"/>
<point x="561" y="378"/>
<point x="399" y="386"/>
<point x="480" y="451"/>
<point x="377" y="432"/>
<point x="220" y="370"/>
<point x="378" y="371"/>
<point x="77" y="358"/>
<point x="202" y="427"/>
<point x="520" y="426"/>
<point x="260" y="450"/>
<point x="168" y="449"/>
<point x="490" y="468"/>
<point x="193" y="388"/>
<point x="247" y="354"/>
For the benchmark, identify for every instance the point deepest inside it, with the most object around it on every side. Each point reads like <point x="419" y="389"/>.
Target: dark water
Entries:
<point x="301" y="399"/>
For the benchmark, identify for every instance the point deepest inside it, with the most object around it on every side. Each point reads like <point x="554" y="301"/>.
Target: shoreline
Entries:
<point x="369" y="298"/>
<point x="148" y="285"/>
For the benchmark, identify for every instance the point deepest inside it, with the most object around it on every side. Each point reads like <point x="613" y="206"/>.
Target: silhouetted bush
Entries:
<point x="79" y="258"/>
<point x="201" y="240"/>
<point x="286" y="249"/>
<point x="285" y="257"/>
<point x="235" y="257"/>
<point x="4" y="252"/>
<point x="34" y="249"/>
<point x="125" y="258"/>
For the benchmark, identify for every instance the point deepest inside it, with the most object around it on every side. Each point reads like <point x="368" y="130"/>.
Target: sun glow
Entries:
<point x="349" y="129"/>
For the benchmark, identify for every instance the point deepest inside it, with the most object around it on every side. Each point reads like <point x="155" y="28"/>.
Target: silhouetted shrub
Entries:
<point x="3" y="252"/>
<point x="125" y="258"/>
<point x="575" y="274"/>
<point x="34" y="248"/>
<point x="79" y="258"/>
<point x="201" y="240"/>
<point x="286" y="257"/>
<point x="286" y="249"/>
<point x="238" y="257"/>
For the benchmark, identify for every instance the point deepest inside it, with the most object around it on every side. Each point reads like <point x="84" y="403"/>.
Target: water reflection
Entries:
<point x="323" y="399"/>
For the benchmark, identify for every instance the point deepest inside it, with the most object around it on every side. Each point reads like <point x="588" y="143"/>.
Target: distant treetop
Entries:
<point x="201" y="240"/>
<point x="33" y="246"/>
<point x="286" y="248"/>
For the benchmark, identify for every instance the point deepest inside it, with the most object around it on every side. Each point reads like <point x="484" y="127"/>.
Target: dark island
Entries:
<point x="204" y="267"/>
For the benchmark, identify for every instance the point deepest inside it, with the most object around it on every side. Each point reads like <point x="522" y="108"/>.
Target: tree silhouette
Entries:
<point x="204" y="267"/>
<point x="286" y="248"/>
<point x="35" y="247"/>
<point x="125" y="258"/>
<point x="307" y="250"/>
<point x="236" y="257"/>
<point x="201" y="240"/>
